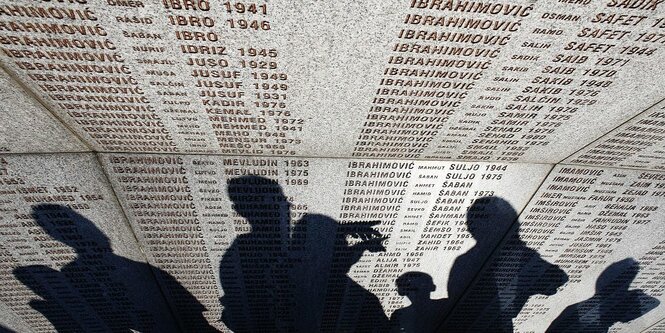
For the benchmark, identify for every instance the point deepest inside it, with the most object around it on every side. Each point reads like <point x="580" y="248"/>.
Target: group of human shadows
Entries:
<point x="283" y="277"/>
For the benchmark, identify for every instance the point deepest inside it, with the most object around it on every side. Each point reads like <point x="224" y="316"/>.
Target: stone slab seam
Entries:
<point x="608" y="133"/>
<point x="31" y="94"/>
<point x="135" y="238"/>
<point x="496" y="248"/>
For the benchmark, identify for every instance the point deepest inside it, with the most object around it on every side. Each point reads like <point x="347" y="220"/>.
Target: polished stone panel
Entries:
<point x="332" y="166"/>
<point x="513" y="82"/>
<point x="585" y="256"/>
<point x="350" y="229"/>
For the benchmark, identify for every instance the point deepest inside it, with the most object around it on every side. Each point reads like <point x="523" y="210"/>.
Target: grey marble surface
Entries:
<point x="505" y="155"/>
<point x="27" y="127"/>
<point x="660" y="327"/>
<point x="520" y="82"/>
<point x="638" y="144"/>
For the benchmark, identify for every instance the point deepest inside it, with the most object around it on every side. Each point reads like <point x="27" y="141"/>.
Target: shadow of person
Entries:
<point x="487" y="220"/>
<point x="424" y="314"/>
<point x="515" y="273"/>
<point x="99" y="291"/>
<point x="612" y="303"/>
<point x="327" y="299"/>
<point x="254" y="270"/>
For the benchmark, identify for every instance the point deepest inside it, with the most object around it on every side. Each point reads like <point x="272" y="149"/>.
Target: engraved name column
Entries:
<point x="75" y="64"/>
<point x="441" y="54"/>
<point x="157" y="195"/>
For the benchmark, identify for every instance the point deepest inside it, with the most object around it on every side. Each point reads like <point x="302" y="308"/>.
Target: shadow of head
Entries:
<point x="415" y="285"/>
<point x="69" y="227"/>
<point x="489" y="217"/>
<point x="258" y="199"/>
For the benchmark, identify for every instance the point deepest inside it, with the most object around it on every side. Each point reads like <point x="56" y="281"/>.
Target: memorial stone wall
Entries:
<point x="332" y="166"/>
